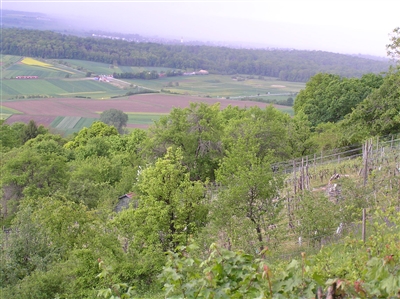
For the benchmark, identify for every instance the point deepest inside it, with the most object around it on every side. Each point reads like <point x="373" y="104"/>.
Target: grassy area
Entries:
<point x="7" y="110"/>
<point x="143" y="118"/>
<point x="8" y="60"/>
<point x="222" y="86"/>
<point x="69" y="125"/>
<point x="104" y="68"/>
<point x="58" y="88"/>
<point x="32" y="70"/>
<point x="56" y="121"/>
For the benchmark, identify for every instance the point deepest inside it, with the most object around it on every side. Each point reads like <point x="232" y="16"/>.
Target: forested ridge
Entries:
<point x="289" y="65"/>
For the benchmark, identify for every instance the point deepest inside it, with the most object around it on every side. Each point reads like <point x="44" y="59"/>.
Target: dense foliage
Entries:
<point x="290" y="65"/>
<point x="328" y="98"/>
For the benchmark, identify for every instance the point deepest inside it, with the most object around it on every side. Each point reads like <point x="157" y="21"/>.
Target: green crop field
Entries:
<point x="28" y="87"/>
<point x="84" y="86"/>
<point x="143" y="118"/>
<point x="6" y="112"/>
<point x="57" y="88"/>
<point x="70" y="124"/>
<point x="84" y="122"/>
<point x="221" y="86"/>
<point x="8" y="60"/>
<point x="56" y="121"/>
<point x="104" y="68"/>
<point x="32" y="70"/>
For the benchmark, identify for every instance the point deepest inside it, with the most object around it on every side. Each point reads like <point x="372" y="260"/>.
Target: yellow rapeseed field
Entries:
<point x="31" y="61"/>
<point x="34" y="62"/>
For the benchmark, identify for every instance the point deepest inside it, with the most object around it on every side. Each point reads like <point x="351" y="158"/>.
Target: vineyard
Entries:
<point x="360" y="171"/>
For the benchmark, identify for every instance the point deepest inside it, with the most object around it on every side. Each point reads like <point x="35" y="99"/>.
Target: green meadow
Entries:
<point x="143" y="118"/>
<point x="8" y="60"/>
<point x="6" y="112"/>
<point x="107" y="69"/>
<point x="69" y="125"/>
<point x="11" y="88"/>
<point x="221" y="86"/>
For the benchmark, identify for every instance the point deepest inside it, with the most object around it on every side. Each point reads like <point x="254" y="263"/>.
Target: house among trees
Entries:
<point x="123" y="202"/>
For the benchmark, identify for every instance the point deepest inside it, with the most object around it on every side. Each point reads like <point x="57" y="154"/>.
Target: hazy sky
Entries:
<point x="344" y="26"/>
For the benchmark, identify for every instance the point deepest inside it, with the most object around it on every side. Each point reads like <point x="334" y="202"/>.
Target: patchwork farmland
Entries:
<point x="69" y="113"/>
<point x="65" y="95"/>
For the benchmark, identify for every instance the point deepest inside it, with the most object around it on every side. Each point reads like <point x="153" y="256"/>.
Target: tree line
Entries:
<point x="288" y="65"/>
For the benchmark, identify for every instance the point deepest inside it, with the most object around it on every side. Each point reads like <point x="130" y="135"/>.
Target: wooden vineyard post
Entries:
<point x="307" y="176"/>
<point x="363" y="224"/>
<point x="315" y="166"/>
<point x="365" y="156"/>
<point x="294" y="177"/>
<point x="302" y="174"/>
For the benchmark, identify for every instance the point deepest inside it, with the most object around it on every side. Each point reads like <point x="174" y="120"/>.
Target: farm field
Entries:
<point x="7" y="112"/>
<point x="143" y="119"/>
<point x="103" y="68"/>
<point x="15" y="88"/>
<point x="63" y="98"/>
<point x="222" y="86"/>
<point x="8" y="60"/>
<point x="55" y="79"/>
<point x="142" y="110"/>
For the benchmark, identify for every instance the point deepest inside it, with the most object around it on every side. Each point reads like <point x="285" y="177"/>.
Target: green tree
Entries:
<point x="28" y="173"/>
<point x="329" y="98"/>
<point x="327" y="136"/>
<point x="48" y="144"/>
<point x="317" y="217"/>
<point x="378" y="114"/>
<point x="197" y="130"/>
<point x="97" y="129"/>
<point x="266" y="130"/>
<point x="32" y="130"/>
<point x="299" y="135"/>
<point x="249" y="196"/>
<point x="116" y="118"/>
<point x="94" y="177"/>
<point x="10" y="135"/>
<point x="171" y="208"/>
